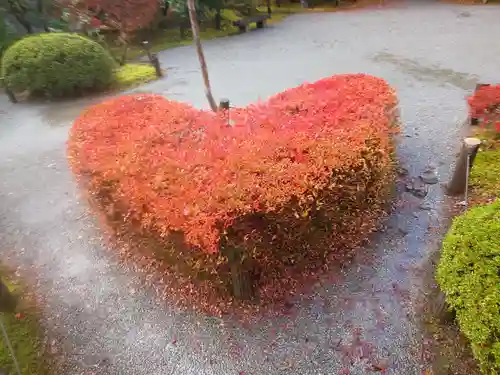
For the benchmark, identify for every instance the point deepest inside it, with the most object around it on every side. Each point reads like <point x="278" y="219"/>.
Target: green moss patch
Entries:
<point x="131" y="75"/>
<point x="485" y="174"/>
<point x="25" y="336"/>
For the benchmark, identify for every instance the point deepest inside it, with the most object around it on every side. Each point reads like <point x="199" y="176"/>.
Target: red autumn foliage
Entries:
<point x="290" y="181"/>
<point x="484" y="105"/>
<point x="125" y="15"/>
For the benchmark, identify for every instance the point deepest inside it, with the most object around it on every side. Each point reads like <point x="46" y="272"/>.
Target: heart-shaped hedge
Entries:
<point x="289" y="183"/>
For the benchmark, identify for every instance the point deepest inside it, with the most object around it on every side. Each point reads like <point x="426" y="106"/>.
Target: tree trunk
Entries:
<point x="241" y="278"/>
<point x="218" y="19"/>
<point x="196" y="39"/>
<point x="182" y="32"/>
<point x="24" y="23"/>
<point x="269" y="7"/>
<point x="124" y="55"/>
<point x="123" y="39"/>
<point x="7" y="300"/>
<point x="41" y="12"/>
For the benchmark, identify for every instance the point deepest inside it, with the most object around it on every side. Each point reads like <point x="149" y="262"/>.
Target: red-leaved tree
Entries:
<point x="484" y="105"/>
<point x="126" y="16"/>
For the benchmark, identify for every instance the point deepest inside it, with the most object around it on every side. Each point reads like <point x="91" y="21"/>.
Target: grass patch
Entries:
<point x="131" y="75"/>
<point x="25" y="335"/>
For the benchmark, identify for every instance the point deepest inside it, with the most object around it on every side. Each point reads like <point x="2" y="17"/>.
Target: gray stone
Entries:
<point x="417" y="188"/>
<point x="429" y="175"/>
<point x="402" y="172"/>
<point x="425" y="206"/>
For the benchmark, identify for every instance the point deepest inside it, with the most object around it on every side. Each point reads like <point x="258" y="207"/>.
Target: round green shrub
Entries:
<point x="469" y="275"/>
<point x="57" y="64"/>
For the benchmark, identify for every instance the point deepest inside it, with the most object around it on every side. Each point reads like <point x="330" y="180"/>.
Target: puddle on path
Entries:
<point x="62" y="112"/>
<point x="423" y="72"/>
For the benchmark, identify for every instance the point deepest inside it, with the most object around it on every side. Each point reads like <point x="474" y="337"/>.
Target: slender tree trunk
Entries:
<point x="123" y="59"/>
<point x="196" y="39"/>
<point x="41" y="12"/>
<point x="124" y="40"/>
<point x="241" y="278"/>
<point x="218" y="19"/>
<point x="24" y="23"/>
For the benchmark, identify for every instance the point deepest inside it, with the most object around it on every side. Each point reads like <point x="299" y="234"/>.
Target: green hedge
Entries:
<point x="469" y="275"/>
<point x="57" y="64"/>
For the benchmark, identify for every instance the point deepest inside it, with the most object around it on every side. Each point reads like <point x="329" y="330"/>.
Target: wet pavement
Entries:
<point x="106" y="321"/>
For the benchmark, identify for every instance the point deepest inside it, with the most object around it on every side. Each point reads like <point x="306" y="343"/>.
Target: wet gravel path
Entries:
<point x="106" y="321"/>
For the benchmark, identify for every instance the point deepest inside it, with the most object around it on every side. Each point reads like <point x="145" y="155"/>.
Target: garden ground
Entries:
<point x="362" y="317"/>
<point x="170" y="38"/>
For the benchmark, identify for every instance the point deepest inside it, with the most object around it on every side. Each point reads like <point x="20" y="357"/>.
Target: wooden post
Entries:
<point x="7" y="300"/>
<point x="468" y="152"/>
<point x="156" y="64"/>
<point x="145" y="43"/>
<point x="10" y="95"/>
<point x="224" y="104"/>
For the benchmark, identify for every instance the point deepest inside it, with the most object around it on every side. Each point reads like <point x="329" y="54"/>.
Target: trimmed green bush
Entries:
<point x="469" y="275"/>
<point x="57" y="64"/>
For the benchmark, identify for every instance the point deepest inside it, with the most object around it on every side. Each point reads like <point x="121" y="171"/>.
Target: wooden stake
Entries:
<point x="458" y="182"/>
<point x="10" y="94"/>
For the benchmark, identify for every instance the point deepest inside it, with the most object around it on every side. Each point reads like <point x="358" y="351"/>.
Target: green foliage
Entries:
<point x="485" y="176"/>
<point x="180" y="7"/>
<point x="24" y="333"/>
<point x="57" y="64"/>
<point x="469" y="275"/>
<point x="230" y="15"/>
